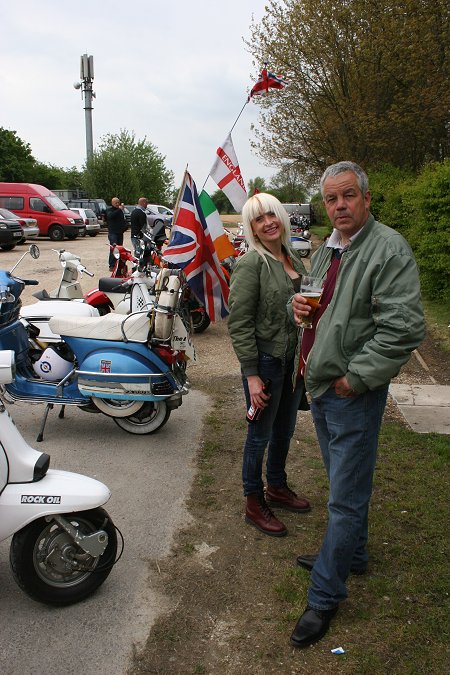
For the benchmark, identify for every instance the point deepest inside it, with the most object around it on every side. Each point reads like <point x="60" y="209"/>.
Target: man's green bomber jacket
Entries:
<point x="375" y="318"/>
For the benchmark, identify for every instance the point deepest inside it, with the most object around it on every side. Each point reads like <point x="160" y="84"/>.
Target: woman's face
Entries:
<point x="267" y="228"/>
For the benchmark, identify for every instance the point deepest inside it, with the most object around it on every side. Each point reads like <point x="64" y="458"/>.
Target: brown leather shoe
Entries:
<point x="285" y="498"/>
<point x="258" y="514"/>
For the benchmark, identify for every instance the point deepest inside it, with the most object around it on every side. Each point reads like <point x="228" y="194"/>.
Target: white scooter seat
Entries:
<point x="117" y="327"/>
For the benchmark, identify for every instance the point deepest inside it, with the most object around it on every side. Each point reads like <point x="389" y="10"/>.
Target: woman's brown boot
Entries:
<point x="258" y="514"/>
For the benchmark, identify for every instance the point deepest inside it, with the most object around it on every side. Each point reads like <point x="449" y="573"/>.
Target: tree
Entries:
<point x="257" y="184"/>
<point x="125" y="167"/>
<point x="16" y="160"/>
<point x="368" y="81"/>
<point x="56" y="178"/>
<point x="287" y="185"/>
<point x="222" y="203"/>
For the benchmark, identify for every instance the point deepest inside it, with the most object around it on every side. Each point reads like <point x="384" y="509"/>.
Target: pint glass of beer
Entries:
<point x="311" y="288"/>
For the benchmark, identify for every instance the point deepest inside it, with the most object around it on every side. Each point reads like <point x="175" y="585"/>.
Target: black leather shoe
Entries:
<point x="307" y="561"/>
<point x="312" y="626"/>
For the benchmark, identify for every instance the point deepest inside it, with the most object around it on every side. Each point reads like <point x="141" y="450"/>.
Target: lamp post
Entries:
<point x="87" y="77"/>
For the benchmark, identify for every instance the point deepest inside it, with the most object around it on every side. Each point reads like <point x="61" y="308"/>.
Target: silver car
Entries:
<point x="29" y="226"/>
<point x="89" y="219"/>
<point x="156" y="218"/>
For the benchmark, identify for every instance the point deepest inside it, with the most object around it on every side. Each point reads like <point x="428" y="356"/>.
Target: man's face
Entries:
<point x="115" y="202"/>
<point x="346" y="206"/>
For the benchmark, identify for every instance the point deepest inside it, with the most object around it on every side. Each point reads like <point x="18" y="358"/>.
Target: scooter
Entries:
<point x="55" y="302"/>
<point x="130" y="368"/>
<point x="137" y="291"/>
<point x="64" y="544"/>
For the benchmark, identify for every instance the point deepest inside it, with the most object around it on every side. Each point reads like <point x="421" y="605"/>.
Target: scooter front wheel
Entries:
<point x="152" y="416"/>
<point x="50" y="567"/>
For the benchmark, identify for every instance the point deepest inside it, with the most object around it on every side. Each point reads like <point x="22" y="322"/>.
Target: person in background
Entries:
<point x="369" y="321"/>
<point x="264" y="341"/>
<point x="117" y="225"/>
<point x="138" y="222"/>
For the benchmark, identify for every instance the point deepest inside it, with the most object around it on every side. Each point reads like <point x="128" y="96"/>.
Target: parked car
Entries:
<point x="162" y="209"/>
<point x="29" y="225"/>
<point x="11" y="233"/>
<point x="155" y="217"/>
<point x="99" y="207"/>
<point x="89" y="219"/>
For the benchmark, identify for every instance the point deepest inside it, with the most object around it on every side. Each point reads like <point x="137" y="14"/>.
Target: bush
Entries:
<point x="419" y="208"/>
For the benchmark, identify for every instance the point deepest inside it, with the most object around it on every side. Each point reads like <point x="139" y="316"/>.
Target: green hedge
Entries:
<point x="419" y="208"/>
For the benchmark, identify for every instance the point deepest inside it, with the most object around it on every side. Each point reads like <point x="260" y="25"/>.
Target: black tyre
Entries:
<point x="7" y="247"/>
<point x="49" y="566"/>
<point x="92" y="234"/>
<point x="152" y="416"/>
<point x="56" y="233"/>
<point x="200" y="320"/>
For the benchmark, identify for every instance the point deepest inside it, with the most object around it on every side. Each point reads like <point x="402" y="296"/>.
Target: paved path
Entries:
<point x="150" y="478"/>
<point x="426" y="407"/>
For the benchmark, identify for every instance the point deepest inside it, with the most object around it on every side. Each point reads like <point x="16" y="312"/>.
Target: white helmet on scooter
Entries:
<point x="52" y="365"/>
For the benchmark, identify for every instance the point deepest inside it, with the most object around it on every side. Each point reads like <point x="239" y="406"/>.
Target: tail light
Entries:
<point x="21" y="222"/>
<point x="167" y="354"/>
<point x="86" y="221"/>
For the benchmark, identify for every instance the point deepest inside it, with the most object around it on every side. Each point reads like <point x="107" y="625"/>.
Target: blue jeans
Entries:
<point x="275" y="426"/>
<point x="347" y="429"/>
<point x="114" y="238"/>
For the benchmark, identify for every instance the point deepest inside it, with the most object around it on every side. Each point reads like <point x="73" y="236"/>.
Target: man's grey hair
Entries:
<point x="340" y="167"/>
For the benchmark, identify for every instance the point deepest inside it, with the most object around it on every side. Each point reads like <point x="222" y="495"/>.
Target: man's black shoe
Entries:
<point x="307" y="561"/>
<point x="312" y="626"/>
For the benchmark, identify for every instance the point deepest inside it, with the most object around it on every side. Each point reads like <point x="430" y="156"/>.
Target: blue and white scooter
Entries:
<point x="64" y="544"/>
<point x="131" y="368"/>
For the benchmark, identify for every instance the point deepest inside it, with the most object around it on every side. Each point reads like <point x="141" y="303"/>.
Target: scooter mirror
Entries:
<point x="34" y="251"/>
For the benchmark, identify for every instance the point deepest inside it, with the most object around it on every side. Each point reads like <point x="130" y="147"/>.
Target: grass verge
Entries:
<point x="236" y="607"/>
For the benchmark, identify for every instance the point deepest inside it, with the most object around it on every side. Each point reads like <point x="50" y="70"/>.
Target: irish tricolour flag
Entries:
<point x="222" y="244"/>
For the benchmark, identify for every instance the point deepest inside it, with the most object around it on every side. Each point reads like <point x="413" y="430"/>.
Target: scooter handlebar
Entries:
<point x="82" y="270"/>
<point x="30" y="282"/>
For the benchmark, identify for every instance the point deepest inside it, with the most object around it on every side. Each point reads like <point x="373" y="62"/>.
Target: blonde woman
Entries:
<point x="264" y="341"/>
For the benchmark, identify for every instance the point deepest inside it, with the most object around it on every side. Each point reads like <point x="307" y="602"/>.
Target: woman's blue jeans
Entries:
<point x="274" y="428"/>
<point x="347" y="429"/>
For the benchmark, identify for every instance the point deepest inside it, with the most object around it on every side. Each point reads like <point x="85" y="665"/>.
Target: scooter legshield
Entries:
<point x="57" y="492"/>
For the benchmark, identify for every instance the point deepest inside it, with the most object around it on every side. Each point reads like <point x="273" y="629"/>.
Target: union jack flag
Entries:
<point x="191" y="248"/>
<point x="266" y="81"/>
<point x="105" y="366"/>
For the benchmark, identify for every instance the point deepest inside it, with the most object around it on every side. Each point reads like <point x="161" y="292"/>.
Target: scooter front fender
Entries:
<point x="58" y="492"/>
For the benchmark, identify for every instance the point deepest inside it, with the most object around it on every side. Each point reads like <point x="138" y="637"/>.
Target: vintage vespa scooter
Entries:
<point x="130" y="368"/>
<point x="64" y="544"/>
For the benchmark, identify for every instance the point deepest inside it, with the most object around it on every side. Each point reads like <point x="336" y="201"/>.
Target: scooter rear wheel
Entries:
<point x="49" y="566"/>
<point x="152" y="416"/>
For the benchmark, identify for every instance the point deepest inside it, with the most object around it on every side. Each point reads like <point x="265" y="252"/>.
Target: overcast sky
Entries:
<point x="174" y="71"/>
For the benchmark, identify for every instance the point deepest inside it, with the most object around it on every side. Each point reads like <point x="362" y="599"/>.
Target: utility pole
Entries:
<point x="87" y="77"/>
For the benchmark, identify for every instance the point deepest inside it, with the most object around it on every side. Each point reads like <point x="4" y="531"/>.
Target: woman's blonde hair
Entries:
<point x="257" y="205"/>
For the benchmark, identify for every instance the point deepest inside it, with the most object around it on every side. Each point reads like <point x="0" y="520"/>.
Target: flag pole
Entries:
<point x="236" y="120"/>
<point x="176" y="207"/>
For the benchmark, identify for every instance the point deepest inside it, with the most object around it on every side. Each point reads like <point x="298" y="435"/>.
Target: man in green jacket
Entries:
<point x="369" y="321"/>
